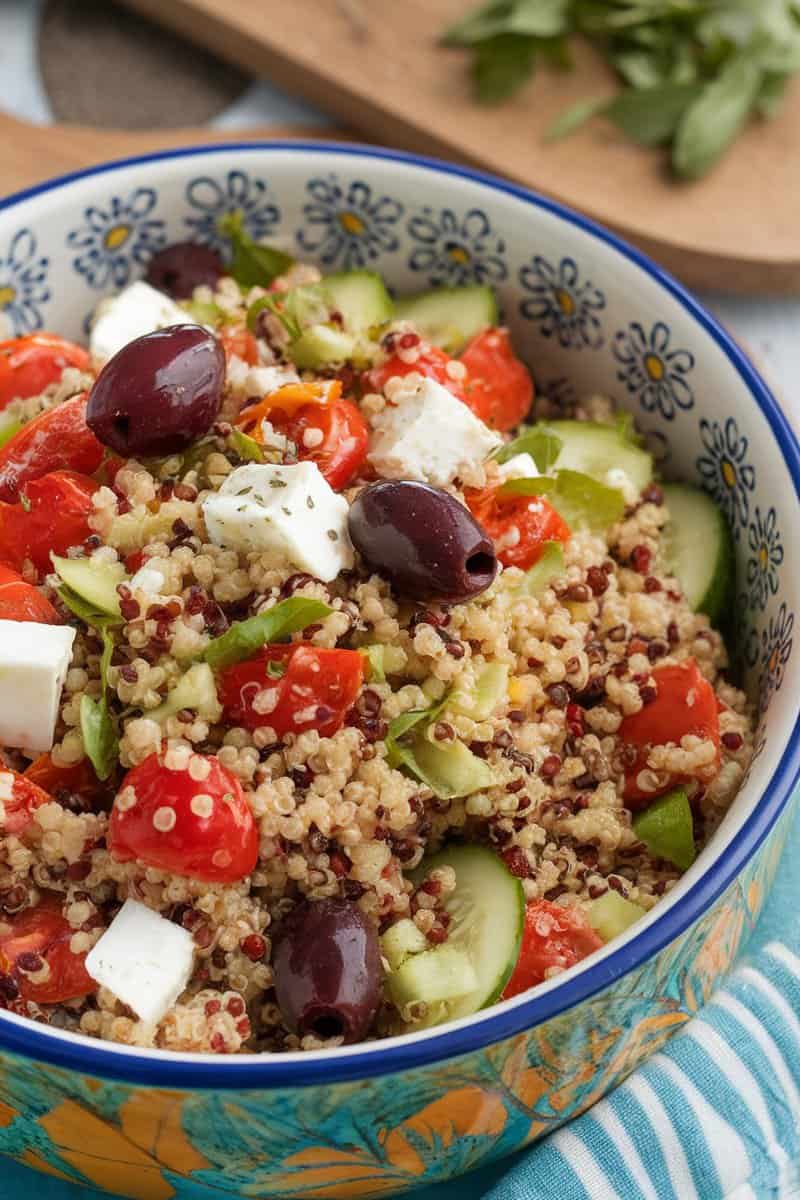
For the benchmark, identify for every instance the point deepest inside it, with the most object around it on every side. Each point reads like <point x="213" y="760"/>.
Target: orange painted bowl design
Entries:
<point x="591" y="314"/>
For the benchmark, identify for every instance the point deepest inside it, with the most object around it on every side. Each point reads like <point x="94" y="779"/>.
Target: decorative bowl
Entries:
<point x="589" y="314"/>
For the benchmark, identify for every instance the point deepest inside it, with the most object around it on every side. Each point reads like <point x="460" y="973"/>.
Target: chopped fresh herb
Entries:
<point x="86" y="611"/>
<point x="246" y="448"/>
<point x="244" y="638"/>
<point x="276" y="669"/>
<point x="97" y="728"/>
<point x="693" y="71"/>
<point x="543" y="446"/>
<point x="251" y="263"/>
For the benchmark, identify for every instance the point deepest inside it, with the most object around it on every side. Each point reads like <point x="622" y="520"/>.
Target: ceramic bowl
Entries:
<point x="590" y="315"/>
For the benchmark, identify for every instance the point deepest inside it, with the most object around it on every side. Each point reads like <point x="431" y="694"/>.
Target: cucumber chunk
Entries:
<point x="699" y="550"/>
<point x="360" y="298"/>
<point x="360" y="304"/>
<point x="487" y="693"/>
<point x="94" y="581"/>
<point x="596" y="449"/>
<point x="400" y="940"/>
<point x="542" y="573"/>
<point x="196" y="690"/>
<point x="322" y="344"/>
<point x="667" y="829"/>
<point x="610" y="915"/>
<point x="450" y="317"/>
<point x="449" y="771"/>
<point x="487" y="915"/>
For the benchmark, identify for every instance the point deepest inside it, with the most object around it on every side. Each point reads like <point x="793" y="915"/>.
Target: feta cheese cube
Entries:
<point x="139" y="309"/>
<point x="426" y="433"/>
<point x="34" y="660"/>
<point x="290" y="511"/>
<point x="145" y="960"/>
<point x="519" y="466"/>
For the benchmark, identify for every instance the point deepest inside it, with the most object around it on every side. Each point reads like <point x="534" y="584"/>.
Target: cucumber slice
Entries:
<point x="489" y="690"/>
<point x="449" y="771"/>
<point x="400" y="940"/>
<point x="667" y="829"/>
<point x="487" y="915"/>
<point x="699" y="550"/>
<point x="196" y="690"/>
<point x="450" y="317"/>
<point x="611" y="914"/>
<point x="542" y="573"/>
<point x="94" y="581"/>
<point x="595" y="449"/>
<point x="360" y="297"/>
<point x="322" y="344"/>
<point x="361" y="303"/>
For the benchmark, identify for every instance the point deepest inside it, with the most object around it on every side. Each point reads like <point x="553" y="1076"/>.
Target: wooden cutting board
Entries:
<point x="376" y="66"/>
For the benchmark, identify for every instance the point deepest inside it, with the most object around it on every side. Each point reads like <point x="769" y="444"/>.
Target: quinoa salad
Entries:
<point x="348" y="686"/>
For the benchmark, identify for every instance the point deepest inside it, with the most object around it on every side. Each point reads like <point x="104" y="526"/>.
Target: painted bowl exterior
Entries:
<point x="590" y="315"/>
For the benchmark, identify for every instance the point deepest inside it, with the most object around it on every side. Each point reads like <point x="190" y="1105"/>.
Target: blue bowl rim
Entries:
<point x="381" y="1058"/>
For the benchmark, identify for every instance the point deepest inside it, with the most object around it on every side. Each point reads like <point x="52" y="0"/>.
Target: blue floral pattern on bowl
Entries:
<point x="653" y="371"/>
<point x="23" y="283"/>
<point x="562" y="304"/>
<point x="348" y="225"/>
<point x="776" y="648"/>
<point x="237" y="191"/>
<point x="451" y="251"/>
<point x="725" y="470"/>
<point x="116" y="238"/>
<point x="764" y="541"/>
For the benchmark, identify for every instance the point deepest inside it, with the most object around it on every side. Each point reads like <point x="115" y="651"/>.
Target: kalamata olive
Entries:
<point x="422" y="540"/>
<point x="180" y="268"/>
<point x="159" y="393"/>
<point x="326" y="967"/>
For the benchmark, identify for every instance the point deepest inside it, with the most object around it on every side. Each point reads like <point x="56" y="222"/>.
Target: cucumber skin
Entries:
<point x="444" y="858"/>
<point x="637" y="463"/>
<point x="451" y="309"/>
<point x="716" y="599"/>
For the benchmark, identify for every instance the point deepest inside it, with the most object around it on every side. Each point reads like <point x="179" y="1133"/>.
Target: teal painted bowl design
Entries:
<point x="589" y="314"/>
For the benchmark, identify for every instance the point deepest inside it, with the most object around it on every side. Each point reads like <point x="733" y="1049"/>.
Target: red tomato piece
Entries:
<point x="39" y="936"/>
<point x="499" y="387"/>
<point x="519" y="526"/>
<point x="433" y="363"/>
<point x="342" y="447"/>
<point x="79" y="779"/>
<point x="30" y="364"/>
<point x="16" y="809"/>
<point x="315" y="691"/>
<point x="554" y="936"/>
<point x="21" y="601"/>
<point x="686" y="704"/>
<point x="53" y="515"/>
<point x="170" y="820"/>
<point x="239" y="341"/>
<point x="58" y="439"/>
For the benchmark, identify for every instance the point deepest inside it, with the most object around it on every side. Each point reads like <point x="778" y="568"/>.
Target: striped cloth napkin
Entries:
<point x="716" y="1116"/>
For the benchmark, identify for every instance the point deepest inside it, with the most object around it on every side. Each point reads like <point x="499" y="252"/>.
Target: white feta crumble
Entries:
<point x="148" y="580"/>
<point x="34" y="660"/>
<point x="426" y="433"/>
<point x="290" y="511"/>
<point x="145" y="960"/>
<point x="137" y="310"/>
<point x="519" y="466"/>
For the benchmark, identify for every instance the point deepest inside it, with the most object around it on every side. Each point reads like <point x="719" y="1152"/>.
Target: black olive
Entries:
<point x="180" y="268"/>
<point x="427" y="544"/>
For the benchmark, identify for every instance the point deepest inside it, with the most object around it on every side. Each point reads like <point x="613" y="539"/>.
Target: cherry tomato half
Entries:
<point x="172" y="820"/>
<point x="58" y="439"/>
<point x="239" y="341"/>
<point x="499" y="388"/>
<point x="77" y="779"/>
<point x="52" y="516"/>
<point x="519" y="526"/>
<point x="19" y="797"/>
<point x="554" y="936"/>
<point x="37" y="938"/>
<point x="30" y="364"/>
<point x="433" y="363"/>
<point x="21" y="601"/>
<point x="686" y="704"/>
<point x="292" y="688"/>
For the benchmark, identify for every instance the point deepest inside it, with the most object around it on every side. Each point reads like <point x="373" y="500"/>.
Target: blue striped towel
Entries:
<point x="716" y="1116"/>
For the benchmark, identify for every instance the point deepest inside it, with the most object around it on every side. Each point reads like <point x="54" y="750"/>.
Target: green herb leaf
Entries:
<point x="770" y="97"/>
<point x="581" y="500"/>
<point x="572" y="119"/>
<point x="245" y="447"/>
<point x="251" y="264"/>
<point x="97" y="728"/>
<point x="713" y="121"/>
<point x="484" y="23"/>
<point x="502" y="65"/>
<point x="543" y="446"/>
<point x="402" y="725"/>
<point x="651" y="115"/>
<point x="244" y="638"/>
<point x="85" y="611"/>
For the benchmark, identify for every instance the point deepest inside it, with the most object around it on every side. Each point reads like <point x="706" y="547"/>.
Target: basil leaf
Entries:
<point x="770" y="97"/>
<point x="581" y="500"/>
<point x="712" y="122"/>
<point x="251" y="263"/>
<point x="83" y="609"/>
<point x="481" y="25"/>
<point x="245" y="447"/>
<point x="502" y="65"/>
<point x="97" y="728"/>
<point x="244" y="638"/>
<point x="543" y="446"/>
<point x="650" y="116"/>
<point x="572" y="119"/>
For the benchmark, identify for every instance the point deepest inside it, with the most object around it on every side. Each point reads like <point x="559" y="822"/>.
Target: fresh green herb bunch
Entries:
<point x="693" y="71"/>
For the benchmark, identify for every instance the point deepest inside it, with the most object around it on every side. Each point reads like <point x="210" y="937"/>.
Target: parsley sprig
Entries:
<point x="693" y="72"/>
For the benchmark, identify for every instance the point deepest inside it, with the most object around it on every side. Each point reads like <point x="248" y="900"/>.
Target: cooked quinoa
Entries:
<point x="333" y="819"/>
